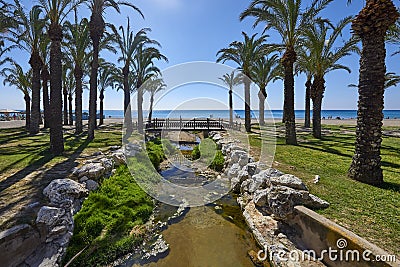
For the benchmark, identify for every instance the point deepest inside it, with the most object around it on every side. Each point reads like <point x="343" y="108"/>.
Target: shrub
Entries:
<point x="196" y="152"/>
<point x="218" y="162"/>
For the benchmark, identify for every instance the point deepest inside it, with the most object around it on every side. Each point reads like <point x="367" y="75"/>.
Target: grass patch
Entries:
<point x="108" y="221"/>
<point x="369" y="211"/>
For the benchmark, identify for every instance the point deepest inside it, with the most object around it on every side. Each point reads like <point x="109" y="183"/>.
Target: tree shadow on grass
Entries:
<point x="30" y="191"/>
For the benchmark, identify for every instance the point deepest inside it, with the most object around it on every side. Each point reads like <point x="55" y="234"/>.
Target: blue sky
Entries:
<point x="194" y="30"/>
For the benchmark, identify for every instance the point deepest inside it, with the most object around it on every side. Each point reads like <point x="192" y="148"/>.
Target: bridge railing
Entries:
<point x="157" y="124"/>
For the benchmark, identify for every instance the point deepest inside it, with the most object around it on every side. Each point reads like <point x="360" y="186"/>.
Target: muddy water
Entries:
<point x="204" y="238"/>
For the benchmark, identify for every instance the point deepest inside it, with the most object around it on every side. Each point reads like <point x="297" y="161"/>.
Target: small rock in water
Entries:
<point x="218" y="209"/>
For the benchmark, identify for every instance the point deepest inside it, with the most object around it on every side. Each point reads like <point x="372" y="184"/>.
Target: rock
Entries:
<point x="251" y="168"/>
<point x="158" y="250"/>
<point x="233" y="170"/>
<point x="314" y="202"/>
<point x="83" y="179"/>
<point x="260" y="197"/>
<point x="316" y="179"/>
<point x="95" y="170"/>
<point x="254" y="258"/>
<point x="91" y="185"/>
<point x="289" y="181"/>
<point x="107" y="163"/>
<point x="50" y="216"/>
<point x="61" y="190"/>
<point x="118" y="158"/>
<point x="98" y="153"/>
<point x="113" y="148"/>
<point x="282" y="199"/>
<point x="91" y="170"/>
<point x="218" y="209"/>
<point x="243" y="160"/>
<point x="235" y="156"/>
<point x="217" y="137"/>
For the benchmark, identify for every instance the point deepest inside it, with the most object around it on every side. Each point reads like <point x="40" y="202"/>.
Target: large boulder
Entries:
<point x="107" y="163"/>
<point x="282" y="199"/>
<point x="237" y="154"/>
<point x="314" y="202"/>
<point x="237" y="181"/>
<point x="60" y="191"/>
<point x="289" y="181"/>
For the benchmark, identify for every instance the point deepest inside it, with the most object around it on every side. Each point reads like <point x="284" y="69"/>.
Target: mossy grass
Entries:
<point x="369" y="211"/>
<point x="108" y="221"/>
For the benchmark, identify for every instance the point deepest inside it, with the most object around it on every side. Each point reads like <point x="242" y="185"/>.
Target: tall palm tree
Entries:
<point x="287" y="18"/>
<point x="264" y="71"/>
<point x="67" y="82"/>
<point x="144" y="69"/>
<point x="106" y="79"/>
<point x="7" y="19"/>
<point x="28" y="37"/>
<point x="97" y="28"/>
<point x="128" y="43"/>
<point x="69" y="87"/>
<point x="305" y="64"/>
<point x="15" y="76"/>
<point x="56" y="11"/>
<point x="231" y="80"/>
<point x="371" y="25"/>
<point x="45" y="76"/>
<point x="325" y="55"/>
<point x="78" y="42"/>
<point x="154" y="85"/>
<point x="244" y="54"/>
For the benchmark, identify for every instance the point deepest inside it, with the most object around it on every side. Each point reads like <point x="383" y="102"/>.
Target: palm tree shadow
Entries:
<point x="390" y="186"/>
<point x="31" y="191"/>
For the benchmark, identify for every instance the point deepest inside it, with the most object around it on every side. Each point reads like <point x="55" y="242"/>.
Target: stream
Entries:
<point x="211" y="235"/>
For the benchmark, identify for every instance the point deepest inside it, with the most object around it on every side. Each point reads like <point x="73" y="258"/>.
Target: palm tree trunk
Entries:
<point x="262" y="95"/>
<point x="366" y="162"/>
<point x="27" y="99"/>
<point x="93" y="91"/>
<point x="283" y="110"/>
<point x="46" y="100"/>
<point x="317" y="95"/>
<point x="65" y="111"/>
<point x="78" y="99"/>
<point x="101" y="122"/>
<point x="36" y="63"/>
<point x="127" y="103"/>
<point x="290" y="123"/>
<point x="307" y="105"/>
<point x="56" y="130"/>
<point x="230" y="106"/>
<point x="140" y="105"/>
<point x="151" y="107"/>
<point x="247" y="115"/>
<point x="71" y="117"/>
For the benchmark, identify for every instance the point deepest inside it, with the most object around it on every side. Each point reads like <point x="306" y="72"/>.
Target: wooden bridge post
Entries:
<point x="180" y="122"/>
<point x="208" y="124"/>
<point x="194" y="124"/>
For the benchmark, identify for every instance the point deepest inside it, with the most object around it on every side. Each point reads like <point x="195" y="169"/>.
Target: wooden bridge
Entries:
<point x="156" y="125"/>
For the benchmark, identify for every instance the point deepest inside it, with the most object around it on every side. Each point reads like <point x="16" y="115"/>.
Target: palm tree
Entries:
<point x="67" y="82"/>
<point x="7" y="19"/>
<point x="391" y="79"/>
<point x="28" y="37"/>
<point x="305" y="64"/>
<point x="106" y="79"/>
<point x="371" y="25"/>
<point x="325" y="55"/>
<point x="97" y="28"/>
<point x="78" y="42"/>
<point x="287" y="18"/>
<point x="231" y="80"/>
<point x="244" y="54"/>
<point x="45" y="76"/>
<point x="264" y="71"/>
<point x="144" y="69"/>
<point x="154" y="85"/>
<point x="56" y="11"/>
<point x="128" y="43"/>
<point x="69" y="87"/>
<point x="15" y="76"/>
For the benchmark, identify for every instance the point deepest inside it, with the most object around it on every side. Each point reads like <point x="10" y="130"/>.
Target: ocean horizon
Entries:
<point x="224" y="114"/>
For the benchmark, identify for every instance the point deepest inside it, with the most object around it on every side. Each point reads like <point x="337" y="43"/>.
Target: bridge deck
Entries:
<point x="190" y="125"/>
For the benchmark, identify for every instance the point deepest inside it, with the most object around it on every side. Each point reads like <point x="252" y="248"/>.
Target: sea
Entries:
<point x="224" y="114"/>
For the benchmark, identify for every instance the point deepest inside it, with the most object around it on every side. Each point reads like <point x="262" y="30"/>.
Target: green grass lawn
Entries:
<point x="371" y="212"/>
